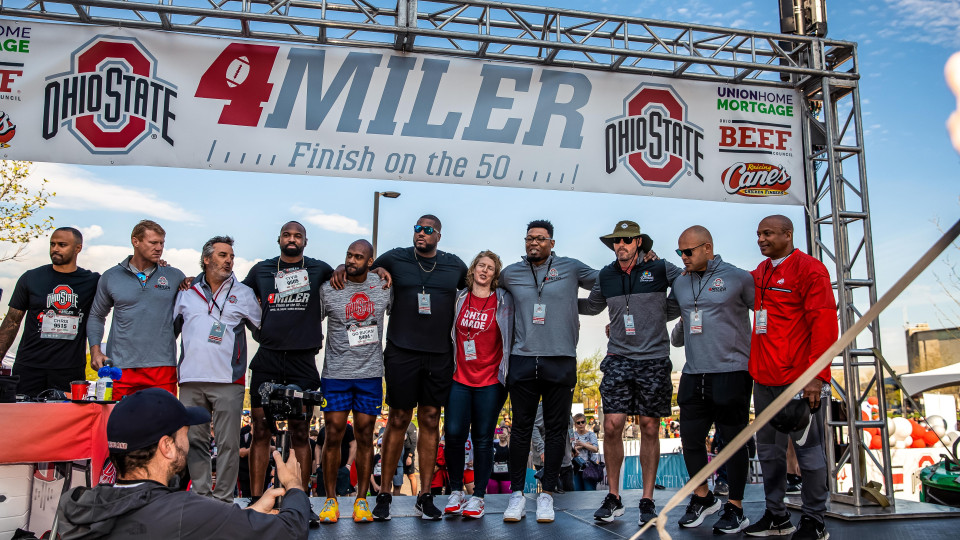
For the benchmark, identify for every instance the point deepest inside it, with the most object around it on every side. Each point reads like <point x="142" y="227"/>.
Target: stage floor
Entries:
<point x="574" y="520"/>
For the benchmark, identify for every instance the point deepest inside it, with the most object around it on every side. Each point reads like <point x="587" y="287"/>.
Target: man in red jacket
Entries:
<point x="795" y="321"/>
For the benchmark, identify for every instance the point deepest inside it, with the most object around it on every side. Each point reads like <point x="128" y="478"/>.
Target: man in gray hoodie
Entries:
<point x="147" y="437"/>
<point x="141" y="293"/>
<point x="714" y="298"/>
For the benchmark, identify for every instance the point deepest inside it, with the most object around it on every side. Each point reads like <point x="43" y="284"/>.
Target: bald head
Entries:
<point x="697" y="233"/>
<point x="292" y="240"/>
<point x="775" y="236"/>
<point x="358" y="261"/>
<point x="362" y="246"/>
<point x="695" y="247"/>
<point x="777" y="221"/>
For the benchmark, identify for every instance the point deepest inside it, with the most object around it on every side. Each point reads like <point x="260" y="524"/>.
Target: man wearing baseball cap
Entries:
<point x="147" y="437"/>
<point x="636" y="370"/>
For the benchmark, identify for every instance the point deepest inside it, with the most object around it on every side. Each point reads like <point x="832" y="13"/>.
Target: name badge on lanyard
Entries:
<point x="760" y="319"/>
<point x="423" y="303"/>
<point x="216" y="333"/>
<point x="696" y="322"/>
<point x="56" y="326"/>
<point x="469" y="350"/>
<point x="362" y="335"/>
<point x="292" y="282"/>
<point x="539" y="313"/>
<point x="628" y="325"/>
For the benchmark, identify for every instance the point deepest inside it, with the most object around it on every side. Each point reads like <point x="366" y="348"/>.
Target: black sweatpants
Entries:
<point x="715" y="398"/>
<point x="530" y="379"/>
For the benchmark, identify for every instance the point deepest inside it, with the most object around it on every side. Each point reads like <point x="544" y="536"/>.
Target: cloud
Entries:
<point x="78" y="189"/>
<point x="331" y="222"/>
<point x="937" y="20"/>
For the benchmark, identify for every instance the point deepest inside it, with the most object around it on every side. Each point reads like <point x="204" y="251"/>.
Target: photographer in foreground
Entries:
<point x="147" y="436"/>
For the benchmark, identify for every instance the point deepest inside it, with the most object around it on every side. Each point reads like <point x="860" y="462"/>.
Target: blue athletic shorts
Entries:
<point x="364" y="396"/>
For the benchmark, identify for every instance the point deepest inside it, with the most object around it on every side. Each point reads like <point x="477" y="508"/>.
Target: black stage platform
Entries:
<point x="574" y="520"/>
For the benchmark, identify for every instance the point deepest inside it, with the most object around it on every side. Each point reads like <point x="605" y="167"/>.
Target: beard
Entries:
<point x="176" y="469"/>
<point x="292" y="250"/>
<point x="427" y="247"/>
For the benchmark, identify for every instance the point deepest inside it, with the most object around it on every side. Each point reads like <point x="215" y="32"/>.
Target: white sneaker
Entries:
<point x="545" y="508"/>
<point x="516" y="508"/>
<point x="473" y="508"/>
<point x="455" y="503"/>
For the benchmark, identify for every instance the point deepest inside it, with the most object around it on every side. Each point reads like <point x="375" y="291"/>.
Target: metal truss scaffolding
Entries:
<point x="824" y="70"/>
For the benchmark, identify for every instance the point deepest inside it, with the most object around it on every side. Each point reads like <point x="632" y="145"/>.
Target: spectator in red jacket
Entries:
<point x="795" y="321"/>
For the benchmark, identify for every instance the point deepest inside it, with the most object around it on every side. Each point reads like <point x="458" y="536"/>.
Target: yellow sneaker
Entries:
<point x="330" y="512"/>
<point x="361" y="510"/>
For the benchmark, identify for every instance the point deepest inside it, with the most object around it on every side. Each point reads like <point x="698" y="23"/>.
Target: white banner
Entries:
<point x="110" y="96"/>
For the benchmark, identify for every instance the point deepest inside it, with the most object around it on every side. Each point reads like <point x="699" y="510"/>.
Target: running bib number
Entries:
<point x="539" y="313"/>
<point x="292" y="282"/>
<point x="500" y="468"/>
<point x="362" y="335"/>
<point x="56" y="326"/>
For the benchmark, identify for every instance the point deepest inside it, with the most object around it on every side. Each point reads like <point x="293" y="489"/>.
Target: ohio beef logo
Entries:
<point x="111" y="99"/>
<point x="360" y="307"/>
<point x="756" y="180"/>
<point x="654" y="138"/>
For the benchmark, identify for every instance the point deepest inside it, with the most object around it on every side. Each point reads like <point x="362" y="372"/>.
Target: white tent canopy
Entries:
<point x="914" y="383"/>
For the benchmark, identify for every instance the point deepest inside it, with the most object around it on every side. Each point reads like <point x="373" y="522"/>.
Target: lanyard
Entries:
<point x="545" y="276"/>
<point x="627" y="293"/>
<point x="215" y="296"/>
<point x="703" y="283"/>
<point x="482" y="308"/>
<point x="423" y="282"/>
<point x="764" y="281"/>
<point x="303" y="264"/>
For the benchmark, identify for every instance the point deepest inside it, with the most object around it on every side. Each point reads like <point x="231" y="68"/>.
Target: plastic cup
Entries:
<point x="78" y="390"/>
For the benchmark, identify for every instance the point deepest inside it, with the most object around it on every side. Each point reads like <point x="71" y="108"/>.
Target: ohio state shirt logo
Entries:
<point x="62" y="298"/>
<point x="359" y="307"/>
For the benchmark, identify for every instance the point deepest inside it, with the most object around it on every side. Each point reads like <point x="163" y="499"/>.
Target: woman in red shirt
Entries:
<point x="482" y="332"/>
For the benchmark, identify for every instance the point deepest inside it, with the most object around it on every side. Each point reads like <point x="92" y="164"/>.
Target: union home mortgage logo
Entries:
<point x="111" y="99"/>
<point x="654" y="138"/>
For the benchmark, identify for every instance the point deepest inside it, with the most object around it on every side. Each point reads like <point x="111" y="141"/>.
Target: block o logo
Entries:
<point x="654" y="137"/>
<point x="111" y="99"/>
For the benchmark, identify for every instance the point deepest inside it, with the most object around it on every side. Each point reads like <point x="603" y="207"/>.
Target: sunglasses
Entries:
<point x="425" y="228"/>
<point x="689" y="251"/>
<point x="626" y="241"/>
<point x="580" y="422"/>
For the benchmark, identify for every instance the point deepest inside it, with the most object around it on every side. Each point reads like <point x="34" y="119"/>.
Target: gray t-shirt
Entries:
<point x="355" y="328"/>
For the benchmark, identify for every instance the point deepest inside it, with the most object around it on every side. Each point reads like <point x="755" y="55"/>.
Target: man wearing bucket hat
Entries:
<point x="795" y="321"/>
<point x="636" y="370"/>
<point x="147" y="437"/>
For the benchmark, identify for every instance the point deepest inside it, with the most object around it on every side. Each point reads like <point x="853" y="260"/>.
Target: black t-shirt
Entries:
<point x="292" y="322"/>
<point x="446" y="274"/>
<point x="44" y="292"/>
<point x="501" y="454"/>
<point x="344" y="443"/>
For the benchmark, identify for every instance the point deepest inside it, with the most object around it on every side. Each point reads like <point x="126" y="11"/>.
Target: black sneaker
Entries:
<point x="648" y="510"/>
<point x="698" y="510"/>
<point x="427" y="509"/>
<point x="794" y="484"/>
<point x="314" y="519"/>
<point x="721" y="489"/>
<point x="731" y="520"/>
<point x="771" y="525"/>
<point x="381" y="511"/>
<point x="810" y="529"/>
<point x="612" y="507"/>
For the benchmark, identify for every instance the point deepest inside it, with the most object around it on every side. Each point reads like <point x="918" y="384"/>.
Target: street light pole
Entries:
<point x="376" y="213"/>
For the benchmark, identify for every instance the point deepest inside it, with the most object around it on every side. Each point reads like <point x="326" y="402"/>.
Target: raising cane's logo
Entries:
<point x="360" y="307"/>
<point x="111" y="99"/>
<point x="654" y="138"/>
<point x="756" y="180"/>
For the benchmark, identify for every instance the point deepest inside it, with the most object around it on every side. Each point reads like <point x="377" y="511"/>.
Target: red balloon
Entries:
<point x="919" y="443"/>
<point x="930" y="438"/>
<point x="875" y="431"/>
<point x="872" y="400"/>
<point x="918" y="430"/>
<point x="875" y="443"/>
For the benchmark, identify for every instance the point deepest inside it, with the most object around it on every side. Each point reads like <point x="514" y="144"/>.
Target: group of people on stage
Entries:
<point x="461" y="339"/>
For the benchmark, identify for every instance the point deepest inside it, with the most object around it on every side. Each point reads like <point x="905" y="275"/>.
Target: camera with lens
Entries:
<point x="287" y="402"/>
<point x="579" y="463"/>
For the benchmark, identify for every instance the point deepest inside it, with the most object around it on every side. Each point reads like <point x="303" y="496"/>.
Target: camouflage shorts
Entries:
<point x="636" y="387"/>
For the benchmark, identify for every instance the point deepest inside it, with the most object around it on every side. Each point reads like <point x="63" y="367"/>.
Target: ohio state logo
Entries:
<point x="359" y="307"/>
<point x="755" y="180"/>
<point x="111" y="99"/>
<point x="654" y="138"/>
<point x="61" y="298"/>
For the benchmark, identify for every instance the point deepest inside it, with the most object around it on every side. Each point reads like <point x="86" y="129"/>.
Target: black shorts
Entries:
<point x="34" y="380"/>
<point x="724" y="397"/>
<point x="416" y="377"/>
<point x="283" y="367"/>
<point x="636" y="387"/>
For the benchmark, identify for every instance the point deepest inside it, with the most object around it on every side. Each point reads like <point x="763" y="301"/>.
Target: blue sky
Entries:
<point x="912" y="171"/>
